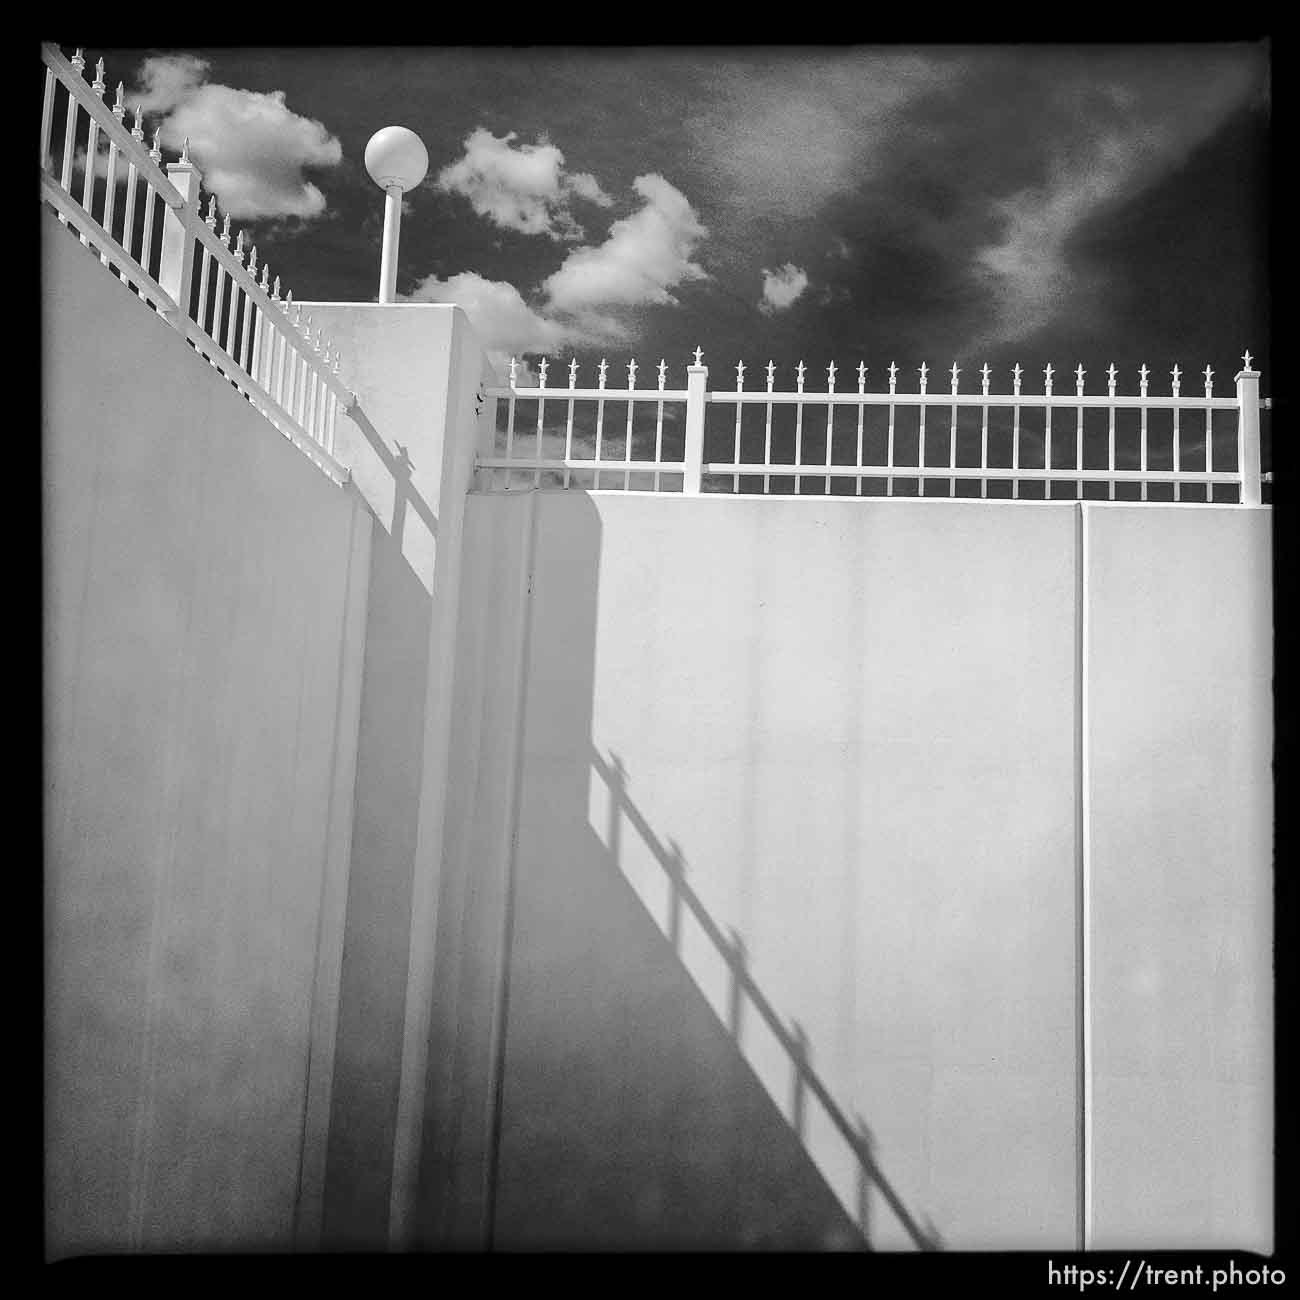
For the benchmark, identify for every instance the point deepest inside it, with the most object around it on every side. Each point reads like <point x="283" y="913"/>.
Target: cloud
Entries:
<point x="251" y="148"/>
<point x="790" y="132"/>
<point x="781" y="288"/>
<point x="1026" y="269"/>
<point x="644" y="257"/>
<point x="501" y="317"/>
<point x="584" y="302"/>
<point x="507" y="326"/>
<point x="520" y="187"/>
<point x="1118" y="140"/>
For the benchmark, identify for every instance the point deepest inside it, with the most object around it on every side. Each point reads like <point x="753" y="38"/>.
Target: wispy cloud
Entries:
<point x="1111" y="141"/>
<point x="521" y="187"/>
<point x="782" y="287"/>
<point x="791" y="132"/>
<point x="252" y="149"/>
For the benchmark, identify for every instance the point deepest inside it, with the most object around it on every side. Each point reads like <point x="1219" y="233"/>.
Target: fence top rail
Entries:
<point x="725" y="396"/>
<point x="281" y="314"/>
<point x="110" y="122"/>
<point x="1201" y="441"/>
<point x="1074" y="396"/>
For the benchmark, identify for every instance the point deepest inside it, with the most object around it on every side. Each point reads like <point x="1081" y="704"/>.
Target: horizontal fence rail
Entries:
<point x="1140" y="446"/>
<point x="111" y="191"/>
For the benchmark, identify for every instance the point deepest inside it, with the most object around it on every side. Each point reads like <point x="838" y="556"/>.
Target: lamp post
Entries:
<point x="397" y="161"/>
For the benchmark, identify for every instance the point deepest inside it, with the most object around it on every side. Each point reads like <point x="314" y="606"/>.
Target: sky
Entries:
<point x="963" y="204"/>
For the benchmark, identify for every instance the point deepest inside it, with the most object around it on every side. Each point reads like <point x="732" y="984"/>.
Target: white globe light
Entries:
<point x="396" y="156"/>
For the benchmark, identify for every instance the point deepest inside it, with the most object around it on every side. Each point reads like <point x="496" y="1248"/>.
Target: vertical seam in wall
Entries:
<point x="427" y="880"/>
<point x="323" y="900"/>
<point x="1083" y="884"/>
<point x="496" y="1088"/>
<point x="169" y="803"/>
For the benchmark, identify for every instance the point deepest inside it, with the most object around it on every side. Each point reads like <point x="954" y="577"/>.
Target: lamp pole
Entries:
<point x="397" y="161"/>
<point x="392" y="234"/>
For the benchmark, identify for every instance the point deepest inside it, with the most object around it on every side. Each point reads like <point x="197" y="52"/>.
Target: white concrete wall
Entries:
<point x="858" y="723"/>
<point x="1180" y="732"/>
<point x="409" y="444"/>
<point x="205" y="596"/>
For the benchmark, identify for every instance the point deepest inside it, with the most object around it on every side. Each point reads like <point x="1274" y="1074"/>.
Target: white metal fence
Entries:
<point x="1113" y="446"/>
<point x="147" y="228"/>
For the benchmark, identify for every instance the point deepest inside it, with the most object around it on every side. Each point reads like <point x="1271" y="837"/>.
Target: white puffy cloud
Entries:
<point x="497" y="310"/>
<point x="520" y="187"/>
<point x="782" y="287"/>
<point x="644" y="256"/>
<point x="507" y="326"/>
<point x="251" y="148"/>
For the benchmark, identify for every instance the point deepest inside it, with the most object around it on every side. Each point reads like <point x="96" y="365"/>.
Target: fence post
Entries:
<point x="696" y="378"/>
<point x="176" y="264"/>
<point x="1248" y="433"/>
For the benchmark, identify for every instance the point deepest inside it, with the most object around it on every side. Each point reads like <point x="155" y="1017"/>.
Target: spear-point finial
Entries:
<point x="185" y="150"/>
<point x="862" y="375"/>
<point x="1246" y="359"/>
<point x="631" y="373"/>
<point x="138" y="129"/>
<point x="1048" y="372"/>
<point x="893" y="376"/>
<point x="1143" y="372"/>
<point x="830" y="377"/>
<point x="573" y="372"/>
<point x="1079" y="373"/>
<point x="799" y="369"/>
<point x="740" y="375"/>
<point x="79" y="58"/>
<point x="1016" y="372"/>
<point x="252" y="262"/>
<point x="210" y="219"/>
<point x="156" y="152"/>
<point x="119" y="104"/>
<point x="924" y="370"/>
<point x="297" y="315"/>
<point x="514" y="366"/>
<point x="600" y="370"/>
<point x="955" y="373"/>
<point x="699" y="355"/>
<point x="1110" y="379"/>
<point x="1209" y="380"/>
<point x="1176" y="374"/>
<point x="288" y="301"/>
<point x="98" y="84"/>
<point x="266" y="271"/>
<point x="541" y="372"/>
<point x="984" y="379"/>
<point x="225" y="230"/>
<point x="771" y="370"/>
<point x="663" y="372"/>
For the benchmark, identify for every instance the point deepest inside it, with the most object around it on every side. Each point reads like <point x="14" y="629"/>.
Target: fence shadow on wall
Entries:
<point x="742" y="991"/>
<point x="583" y="1094"/>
